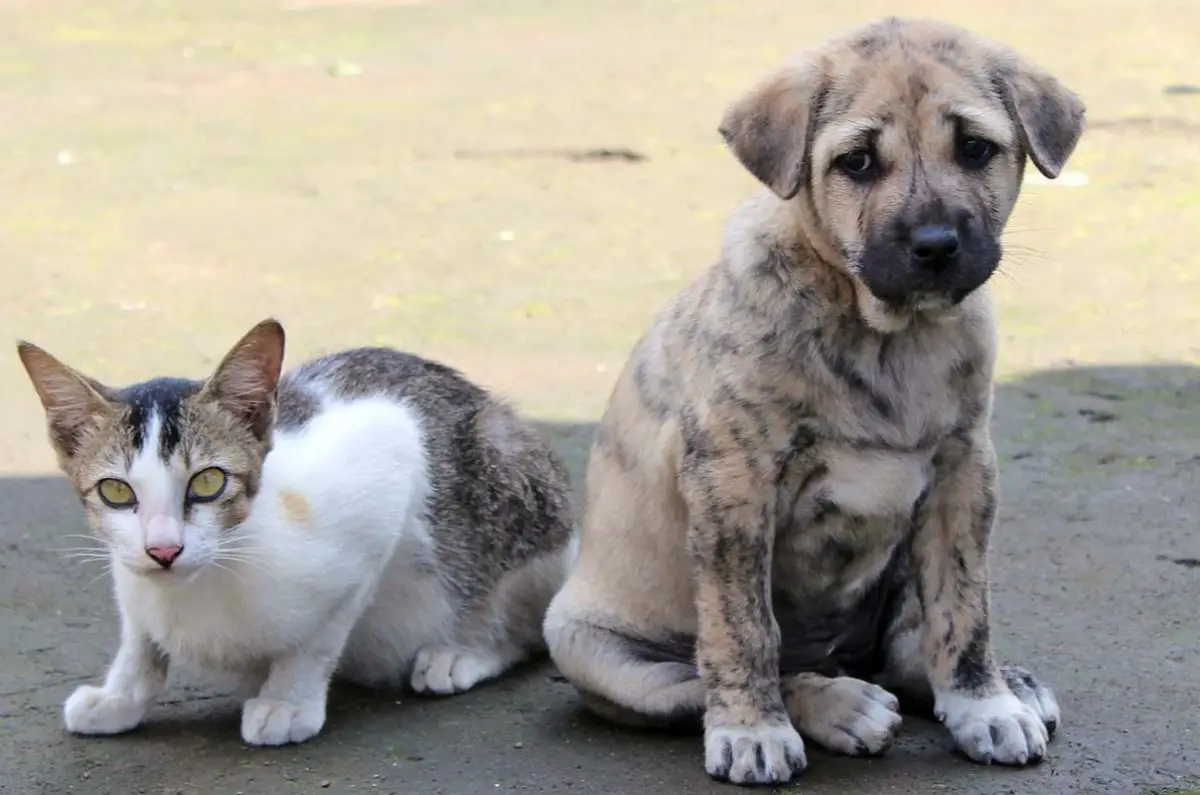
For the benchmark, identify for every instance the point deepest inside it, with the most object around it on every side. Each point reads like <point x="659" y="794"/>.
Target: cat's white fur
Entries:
<point x="291" y="594"/>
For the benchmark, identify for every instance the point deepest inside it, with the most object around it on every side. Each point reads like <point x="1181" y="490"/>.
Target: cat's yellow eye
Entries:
<point x="207" y="484"/>
<point x="116" y="493"/>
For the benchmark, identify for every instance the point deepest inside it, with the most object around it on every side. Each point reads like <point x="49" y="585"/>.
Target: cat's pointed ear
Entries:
<point x="72" y="401"/>
<point x="246" y="379"/>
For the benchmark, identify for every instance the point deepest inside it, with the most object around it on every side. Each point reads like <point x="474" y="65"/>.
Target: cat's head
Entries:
<point x="167" y="468"/>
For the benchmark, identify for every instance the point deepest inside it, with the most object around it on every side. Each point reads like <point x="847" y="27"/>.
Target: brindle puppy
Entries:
<point x="793" y="486"/>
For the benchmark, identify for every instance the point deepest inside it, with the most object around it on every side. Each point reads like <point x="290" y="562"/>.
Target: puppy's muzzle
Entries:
<point x="929" y="263"/>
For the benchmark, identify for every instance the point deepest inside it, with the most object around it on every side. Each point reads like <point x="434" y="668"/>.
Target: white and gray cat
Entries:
<point x="371" y="515"/>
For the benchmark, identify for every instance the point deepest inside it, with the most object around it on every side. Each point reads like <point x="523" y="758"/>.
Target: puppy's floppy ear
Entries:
<point x="771" y="128"/>
<point x="1049" y="116"/>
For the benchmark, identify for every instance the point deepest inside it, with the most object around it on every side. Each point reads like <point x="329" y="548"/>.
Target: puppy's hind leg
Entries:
<point x="843" y="714"/>
<point x="627" y="679"/>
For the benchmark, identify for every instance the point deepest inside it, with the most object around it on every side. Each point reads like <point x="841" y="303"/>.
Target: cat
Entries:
<point x="371" y="515"/>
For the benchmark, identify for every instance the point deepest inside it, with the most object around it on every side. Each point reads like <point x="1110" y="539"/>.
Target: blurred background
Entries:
<point x="515" y="187"/>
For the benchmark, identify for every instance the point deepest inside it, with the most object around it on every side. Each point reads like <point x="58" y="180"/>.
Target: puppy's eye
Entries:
<point x="859" y="165"/>
<point x="975" y="153"/>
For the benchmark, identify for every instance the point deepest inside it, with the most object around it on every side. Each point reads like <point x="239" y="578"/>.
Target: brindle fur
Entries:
<point x="793" y="485"/>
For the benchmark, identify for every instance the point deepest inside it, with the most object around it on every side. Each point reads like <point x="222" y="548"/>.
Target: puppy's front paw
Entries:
<point x="266" y="721"/>
<point x="94" y="710"/>
<point x="765" y="754"/>
<point x="846" y="715"/>
<point x="1034" y="695"/>
<point x="998" y="728"/>
<point x="446" y="670"/>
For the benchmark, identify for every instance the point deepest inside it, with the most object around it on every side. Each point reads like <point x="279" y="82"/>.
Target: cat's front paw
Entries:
<point x="94" y="710"/>
<point x="999" y="728"/>
<point x="446" y="670"/>
<point x="267" y="721"/>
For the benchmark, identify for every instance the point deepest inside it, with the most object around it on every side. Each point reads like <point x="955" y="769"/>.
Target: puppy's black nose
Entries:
<point x="934" y="246"/>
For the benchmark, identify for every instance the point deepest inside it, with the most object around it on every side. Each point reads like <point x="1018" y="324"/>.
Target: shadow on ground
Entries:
<point x="1095" y="587"/>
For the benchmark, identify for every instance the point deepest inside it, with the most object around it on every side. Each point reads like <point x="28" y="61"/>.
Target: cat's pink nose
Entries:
<point x="164" y="556"/>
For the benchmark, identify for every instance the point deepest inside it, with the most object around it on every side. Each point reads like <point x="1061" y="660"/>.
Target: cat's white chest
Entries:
<point x="214" y="622"/>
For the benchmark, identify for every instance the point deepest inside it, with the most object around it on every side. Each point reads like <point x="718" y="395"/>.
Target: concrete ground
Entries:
<point x="514" y="186"/>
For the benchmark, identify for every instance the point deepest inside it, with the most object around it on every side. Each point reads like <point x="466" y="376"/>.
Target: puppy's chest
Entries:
<point x="858" y="466"/>
<point x="841" y="512"/>
<point x="897" y="398"/>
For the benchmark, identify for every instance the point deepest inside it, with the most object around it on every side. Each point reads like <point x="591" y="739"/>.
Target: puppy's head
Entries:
<point x="906" y="141"/>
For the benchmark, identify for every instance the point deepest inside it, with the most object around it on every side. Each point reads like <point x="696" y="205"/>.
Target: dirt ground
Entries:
<point x="514" y="186"/>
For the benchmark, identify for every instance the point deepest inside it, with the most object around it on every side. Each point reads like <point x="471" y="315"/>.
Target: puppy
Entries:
<point x="792" y="489"/>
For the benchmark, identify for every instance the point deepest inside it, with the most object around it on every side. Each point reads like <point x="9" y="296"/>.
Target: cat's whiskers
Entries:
<point x="241" y="545"/>
<point x="238" y="544"/>
<point x="216" y="562"/>
<point x="83" y="558"/>
<point x="97" y="551"/>
<point x="107" y="571"/>
<point x="99" y="538"/>
<point x="93" y="542"/>
<point x="222" y="558"/>
<point x="240" y="550"/>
